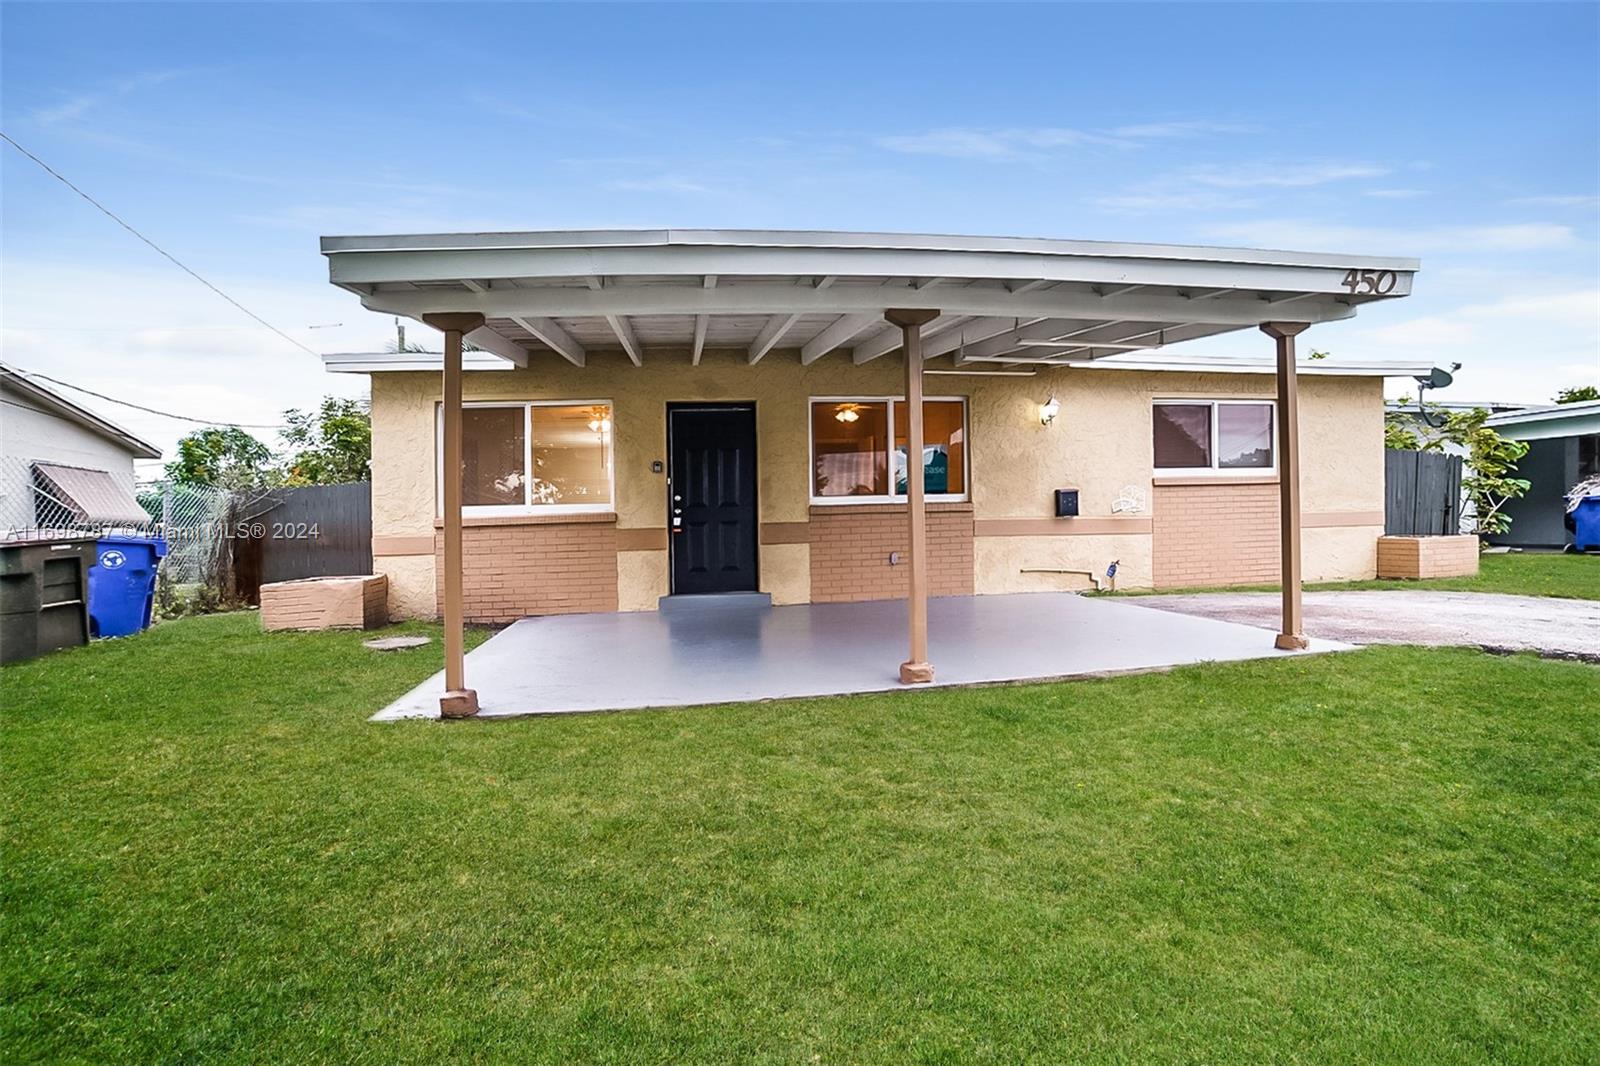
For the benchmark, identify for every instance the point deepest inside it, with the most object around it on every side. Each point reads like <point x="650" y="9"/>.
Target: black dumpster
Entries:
<point x="44" y="595"/>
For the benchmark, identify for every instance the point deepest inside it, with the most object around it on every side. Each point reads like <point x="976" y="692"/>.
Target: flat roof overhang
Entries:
<point x="1001" y="300"/>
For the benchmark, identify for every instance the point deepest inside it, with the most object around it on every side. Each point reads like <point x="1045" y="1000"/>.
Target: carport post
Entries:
<point x="458" y="700"/>
<point x="916" y="669"/>
<point x="1292" y="636"/>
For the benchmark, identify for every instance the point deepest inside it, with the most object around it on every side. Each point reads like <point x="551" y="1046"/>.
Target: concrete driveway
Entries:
<point x="1568" y="629"/>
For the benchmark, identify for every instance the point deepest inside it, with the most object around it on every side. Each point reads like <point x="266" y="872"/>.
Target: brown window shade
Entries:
<point x="492" y="457"/>
<point x="92" y="497"/>
<point x="1182" y="436"/>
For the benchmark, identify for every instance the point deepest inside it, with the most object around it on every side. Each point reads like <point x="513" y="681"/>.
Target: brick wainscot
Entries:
<point x="529" y="565"/>
<point x="851" y="545"/>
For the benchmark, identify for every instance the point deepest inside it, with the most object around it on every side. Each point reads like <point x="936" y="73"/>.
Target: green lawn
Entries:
<point x="1388" y="855"/>
<point x="1521" y="573"/>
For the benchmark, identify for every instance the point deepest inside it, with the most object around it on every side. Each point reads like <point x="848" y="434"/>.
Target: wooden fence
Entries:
<point x="1422" y="493"/>
<point x="316" y="531"/>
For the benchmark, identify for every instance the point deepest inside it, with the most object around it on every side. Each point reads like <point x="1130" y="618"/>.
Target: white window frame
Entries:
<point x="527" y="506"/>
<point x="894" y="403"/>
<point x="1215" y="470"/>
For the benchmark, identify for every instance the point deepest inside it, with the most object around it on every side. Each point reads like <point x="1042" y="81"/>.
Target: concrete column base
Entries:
<point x="1291" y="642"/>
<point x="459" y="703"/>
<point x="916" y="673"/>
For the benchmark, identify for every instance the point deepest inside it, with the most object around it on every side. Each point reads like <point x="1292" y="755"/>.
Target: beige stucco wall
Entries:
<point x="1000" y="561"/>
<point x="1100" y="444"/>
<point x="1348" y="553"/>
<point x="786" y="572"/>
<point x="641" y="579"/>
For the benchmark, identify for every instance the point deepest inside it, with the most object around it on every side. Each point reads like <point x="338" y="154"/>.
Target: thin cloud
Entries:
<point x="957" y="143"/>
<point x="661" y="183"/>
<point x="1150" y="131"/>
<point x="1152" y="201"/>
<point x="963" y="142"/>
<point x="80" y="104"/>
<point x="1556" y="201"/>
<point x="1281" y="175"/>
<point x="1303" y="233"/>
<point x="1396" y="194"/>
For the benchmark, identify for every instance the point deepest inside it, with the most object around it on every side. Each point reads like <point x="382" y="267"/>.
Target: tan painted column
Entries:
<point x="458" y="700"/>
<point x="1292" y="636"/>
<point x="916" y="669"/>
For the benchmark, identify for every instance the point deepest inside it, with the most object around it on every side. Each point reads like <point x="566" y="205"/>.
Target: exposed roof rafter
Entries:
<point x="701" y="322"/>
<point x="552" y="336"/>
<point x="620" y="326"/>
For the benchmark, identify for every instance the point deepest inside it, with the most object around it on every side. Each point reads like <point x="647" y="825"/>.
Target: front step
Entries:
<point x="716" y="601"/>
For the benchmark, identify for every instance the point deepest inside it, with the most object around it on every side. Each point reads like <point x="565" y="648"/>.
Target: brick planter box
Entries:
<point x="359" y="602"/>
<point x="1419" y="557"/>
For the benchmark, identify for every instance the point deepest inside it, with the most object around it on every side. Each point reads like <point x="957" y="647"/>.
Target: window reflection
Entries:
<point x="492" y="456"/>
<point x="1244" y="436"/>
<point x="943" y="448"/>
<point x="1182" y="435"/>
<point x="572" y="454"/>
<point x="849" y="447"/>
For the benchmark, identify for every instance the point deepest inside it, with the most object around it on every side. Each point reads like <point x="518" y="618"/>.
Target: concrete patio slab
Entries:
<point x="604" y="662"/>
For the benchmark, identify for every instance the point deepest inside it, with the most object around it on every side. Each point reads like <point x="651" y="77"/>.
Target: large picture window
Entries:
<point x="1213" y="436"/>
<point x="858" y="450"/>
<point x="534" y="458"/>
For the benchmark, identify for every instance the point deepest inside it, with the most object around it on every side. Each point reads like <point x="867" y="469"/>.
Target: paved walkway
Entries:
<point x="725" y="654"/>
<point x="1556" y="627"/>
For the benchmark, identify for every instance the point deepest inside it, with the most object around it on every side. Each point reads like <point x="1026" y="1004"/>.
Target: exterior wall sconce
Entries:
<point x="1048" y="411"/>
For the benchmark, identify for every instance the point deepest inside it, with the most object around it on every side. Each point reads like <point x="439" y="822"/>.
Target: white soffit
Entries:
<point x="805" y="294"/>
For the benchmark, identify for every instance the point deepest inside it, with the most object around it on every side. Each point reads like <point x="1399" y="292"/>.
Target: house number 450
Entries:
<point x="1377" y="282"/>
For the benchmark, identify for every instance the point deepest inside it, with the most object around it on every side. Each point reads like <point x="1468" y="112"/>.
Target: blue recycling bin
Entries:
<point x="1584" y="521"/>
<point x="122" y="584"/>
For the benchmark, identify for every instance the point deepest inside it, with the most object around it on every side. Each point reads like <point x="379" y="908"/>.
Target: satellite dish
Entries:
<point x="1438" y="378"/>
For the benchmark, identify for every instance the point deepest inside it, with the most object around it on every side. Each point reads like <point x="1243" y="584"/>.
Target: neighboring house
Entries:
<point x="679" y="422"/>
<point x="1563" y="449"/>
<point x="61" y="465"/>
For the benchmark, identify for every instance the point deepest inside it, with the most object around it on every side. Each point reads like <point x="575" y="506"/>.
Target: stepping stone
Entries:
<point x="395" y="643"/>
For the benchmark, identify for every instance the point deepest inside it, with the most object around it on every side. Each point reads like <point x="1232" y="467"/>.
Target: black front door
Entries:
<point x="712" y="497"/>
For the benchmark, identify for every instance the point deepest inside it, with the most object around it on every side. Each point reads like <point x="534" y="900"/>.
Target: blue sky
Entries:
<point x="235" y="135"/>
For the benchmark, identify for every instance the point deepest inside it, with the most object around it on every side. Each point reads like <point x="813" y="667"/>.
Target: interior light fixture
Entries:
<point x="847" y="412"/>
<point x="1048" y="411"/>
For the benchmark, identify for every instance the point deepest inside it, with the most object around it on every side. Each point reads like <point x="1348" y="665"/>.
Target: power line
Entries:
<point x="141" y="407"/>
<point x="162" y="251"/>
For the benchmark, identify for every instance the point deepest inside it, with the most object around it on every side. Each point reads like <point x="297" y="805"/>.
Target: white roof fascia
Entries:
<point x="1543" y="423"/>
<point x="1386" y="368"/>
<point x="55" y="403"/>
<point x="846" y="240"/>
<point x="386" y="362"/>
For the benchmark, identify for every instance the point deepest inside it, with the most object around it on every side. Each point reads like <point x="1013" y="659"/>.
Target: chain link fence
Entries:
<point x="42" y="500"/>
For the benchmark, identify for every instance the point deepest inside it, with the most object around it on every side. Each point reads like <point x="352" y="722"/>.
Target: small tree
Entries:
<point x="226" y="458"/>
<point x="1491" y="460"/>
<point x="1400" y="429"/>
<point x="1578" y="394"/>
<point x="332" y="445"/>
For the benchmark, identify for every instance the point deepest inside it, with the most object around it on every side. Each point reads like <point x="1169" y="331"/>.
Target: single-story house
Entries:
<point x="62" y="465"/>
<point x="1563" y="449"/>
<point x="846" y="416"/>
